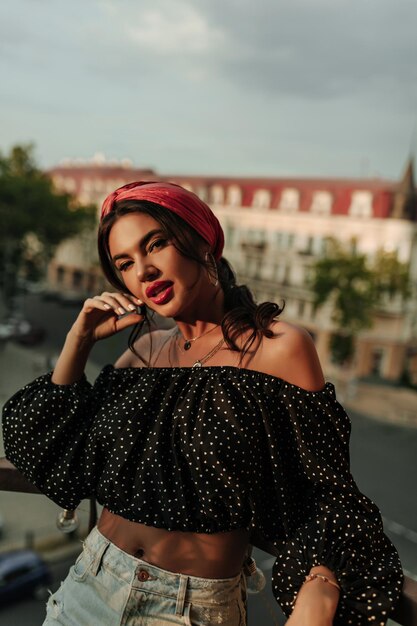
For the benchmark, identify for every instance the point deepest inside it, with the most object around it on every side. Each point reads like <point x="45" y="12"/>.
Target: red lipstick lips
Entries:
<point x="160" y="292"/>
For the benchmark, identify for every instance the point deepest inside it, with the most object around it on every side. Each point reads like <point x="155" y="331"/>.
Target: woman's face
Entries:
<point x="144" y="257"/>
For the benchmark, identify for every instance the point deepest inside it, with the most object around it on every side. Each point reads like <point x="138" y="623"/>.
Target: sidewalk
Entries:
<point x="386" y="404"/>
<point x="18" y="366"/>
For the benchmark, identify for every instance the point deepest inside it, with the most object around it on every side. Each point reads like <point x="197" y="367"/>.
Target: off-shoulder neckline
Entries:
<point x="328" y="386"/>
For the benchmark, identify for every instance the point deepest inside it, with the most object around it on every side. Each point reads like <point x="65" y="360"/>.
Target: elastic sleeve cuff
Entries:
<point x="366" y="566"/>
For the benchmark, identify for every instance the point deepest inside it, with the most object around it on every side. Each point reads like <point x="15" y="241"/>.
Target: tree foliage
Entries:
<point x="34" y="217"/>
<point x="355" y="287"/>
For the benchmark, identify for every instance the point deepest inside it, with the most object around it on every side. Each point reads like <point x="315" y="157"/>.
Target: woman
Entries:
<point x="203" y="438"/>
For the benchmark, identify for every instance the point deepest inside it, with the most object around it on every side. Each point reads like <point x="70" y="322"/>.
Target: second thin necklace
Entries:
<point x="188" y="342"/>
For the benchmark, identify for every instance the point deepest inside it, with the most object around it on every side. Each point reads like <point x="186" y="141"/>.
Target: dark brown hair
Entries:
<point x="242" y="313"/>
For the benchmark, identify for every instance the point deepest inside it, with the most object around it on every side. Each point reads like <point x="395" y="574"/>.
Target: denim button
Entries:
<point x="143" y="574"/>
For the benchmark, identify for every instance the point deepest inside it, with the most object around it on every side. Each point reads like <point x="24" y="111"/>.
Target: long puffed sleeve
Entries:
<point x="46" y="430"/>
<point x="332" y="522"/>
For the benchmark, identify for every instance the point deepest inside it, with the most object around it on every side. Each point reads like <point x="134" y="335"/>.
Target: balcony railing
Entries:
<point x="11" y="479"/>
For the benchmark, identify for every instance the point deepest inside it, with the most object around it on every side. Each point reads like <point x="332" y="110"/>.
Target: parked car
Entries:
<point x="22" y="331"/>
<point x="23" y="573"/>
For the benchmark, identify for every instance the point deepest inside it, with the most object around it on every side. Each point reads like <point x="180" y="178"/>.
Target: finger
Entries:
<point x="129" y="302"/>
<point x="128" y="320"/>
<point x="125" y="302"/>
<point x="96" y="303"/>
<point x="140" y="311"/>
<point x="140" y="305"/>
<point x="136" y="300"/>
<point x="114" y="302"/>
<point x="131" y="299"/>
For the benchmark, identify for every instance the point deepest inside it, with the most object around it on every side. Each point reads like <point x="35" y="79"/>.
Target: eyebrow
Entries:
<point x="142" y="243"/>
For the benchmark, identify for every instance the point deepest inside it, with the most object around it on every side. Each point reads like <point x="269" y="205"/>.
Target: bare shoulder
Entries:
<point x="292" y="356"/>
<point x="142" y="346"/>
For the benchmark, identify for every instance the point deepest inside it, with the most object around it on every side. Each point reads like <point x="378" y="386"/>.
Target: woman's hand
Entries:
<point x="101" y="316"/>
<point x="316" y="601"/>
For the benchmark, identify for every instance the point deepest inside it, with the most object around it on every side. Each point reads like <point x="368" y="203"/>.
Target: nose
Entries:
<point x="145" y="272"/>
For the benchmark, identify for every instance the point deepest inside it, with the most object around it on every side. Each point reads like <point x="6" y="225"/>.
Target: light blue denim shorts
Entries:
<point x="109" y="587"/>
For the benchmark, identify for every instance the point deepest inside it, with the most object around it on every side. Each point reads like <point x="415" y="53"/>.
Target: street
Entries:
<point x="31" y="612"/>
<point x="383" y="460"/>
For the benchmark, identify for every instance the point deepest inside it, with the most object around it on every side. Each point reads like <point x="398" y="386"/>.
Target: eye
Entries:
<point x="124" y="266"/>
<point x="158" y="243"/>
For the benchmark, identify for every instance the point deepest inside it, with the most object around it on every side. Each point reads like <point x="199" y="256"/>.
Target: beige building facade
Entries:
<point x="275" y="229"/>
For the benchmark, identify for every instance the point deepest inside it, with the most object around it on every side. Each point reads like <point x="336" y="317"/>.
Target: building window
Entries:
<point x="91" y="282"/>
<point x="290" y="200"/>
<point x="254" y="236"/>
<point x="99" y="185"/>
<point x="217" y="194"/>
<point x="287" y="275"/>
<point x="285" y="240"/>
<point x="86" y="185"/>
<point x="306" y="244"/>
<point x="60" y="273"/>
<point x="321" y="203"/>
<point x="301" y="308"/>
<point x="230" y="233"/>
<point x="361" y="204"/>
<point x="234" y="196"/>
<point x="77" y="279"/>
<point x="202" y="194"/>
<point x="377" y="361"/>
<point x="261" y="199"/>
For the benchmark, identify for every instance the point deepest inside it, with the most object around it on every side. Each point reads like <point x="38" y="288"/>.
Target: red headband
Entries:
<point x="178" y="200"/>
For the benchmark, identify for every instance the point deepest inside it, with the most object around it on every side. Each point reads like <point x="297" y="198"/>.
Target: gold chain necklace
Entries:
<point x="203" y="359"/>
<point x="188" y="342"/>
<point x="208" y="356"/>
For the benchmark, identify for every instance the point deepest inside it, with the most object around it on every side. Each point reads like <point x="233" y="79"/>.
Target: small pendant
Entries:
<point x="187" y="345"/>
<point x="197" y="364"/>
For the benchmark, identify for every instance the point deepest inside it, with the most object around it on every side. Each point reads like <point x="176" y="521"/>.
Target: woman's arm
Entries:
<point x="317" y="601"/>
<point x="332" y="528"/>
<point x="97" y="319"/>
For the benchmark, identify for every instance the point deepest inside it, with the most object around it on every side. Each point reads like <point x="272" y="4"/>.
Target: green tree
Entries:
<point x="34" y="217"/>
<point x="355" y="287"/>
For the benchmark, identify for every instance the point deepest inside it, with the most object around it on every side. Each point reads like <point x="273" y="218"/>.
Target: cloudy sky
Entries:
<point x="273" y="87"/>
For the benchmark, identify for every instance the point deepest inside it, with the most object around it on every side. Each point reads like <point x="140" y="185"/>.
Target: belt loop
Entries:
<point x="179" y="609"/>
<point x="99" y="557"/>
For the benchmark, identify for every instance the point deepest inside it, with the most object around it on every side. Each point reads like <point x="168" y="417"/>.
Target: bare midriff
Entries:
<point x="216" y="555"/>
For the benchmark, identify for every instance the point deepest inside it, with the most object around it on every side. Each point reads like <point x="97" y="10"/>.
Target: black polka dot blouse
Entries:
<point x="209" y="450"/>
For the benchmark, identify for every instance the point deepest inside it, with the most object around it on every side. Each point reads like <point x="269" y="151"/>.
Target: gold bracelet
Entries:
<point x="324" y="578"/>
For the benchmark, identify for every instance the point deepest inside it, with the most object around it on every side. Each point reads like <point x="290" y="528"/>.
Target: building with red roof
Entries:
<point x="275" y="228"/>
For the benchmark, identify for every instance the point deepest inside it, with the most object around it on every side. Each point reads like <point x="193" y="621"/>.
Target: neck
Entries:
<point x="191" y="326"/>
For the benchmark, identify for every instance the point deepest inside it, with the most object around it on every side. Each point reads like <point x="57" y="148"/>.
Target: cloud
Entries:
<point x="310" y="49"/>
<point x="179" y="29"/>
<point x="200" y="84"/>
<point x="318" y="48"/>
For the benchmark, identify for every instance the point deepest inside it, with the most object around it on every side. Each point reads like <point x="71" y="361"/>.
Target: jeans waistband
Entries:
<point x="142" y="575"/>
